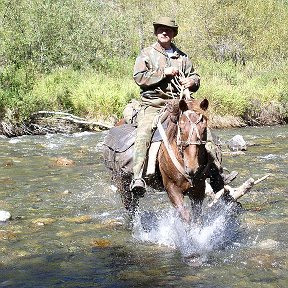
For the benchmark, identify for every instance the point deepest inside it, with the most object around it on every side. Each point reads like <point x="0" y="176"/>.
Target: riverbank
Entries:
<point x="46" y="122"/>
<point x="249" y="95"/>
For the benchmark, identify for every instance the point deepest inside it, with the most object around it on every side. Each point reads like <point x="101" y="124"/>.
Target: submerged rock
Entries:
<point x="8" y="163"/>
<point x="7" y="235"/>
<point x="62" y="161"/>
<point x="101" y="243"/>
<point x="43" y="221"/>
<point x="268" y="244"/>
<point x="80" y="219"/>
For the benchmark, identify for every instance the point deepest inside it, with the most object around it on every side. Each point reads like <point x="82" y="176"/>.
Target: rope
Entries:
<point x="172" y="154"/>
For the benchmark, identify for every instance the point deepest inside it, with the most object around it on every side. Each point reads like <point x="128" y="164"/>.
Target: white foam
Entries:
<point x="216" y="229"/>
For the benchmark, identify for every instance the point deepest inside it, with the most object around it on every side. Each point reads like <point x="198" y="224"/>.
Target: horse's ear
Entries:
<point x="183" y="105"/>
<point x="204" y="104"/>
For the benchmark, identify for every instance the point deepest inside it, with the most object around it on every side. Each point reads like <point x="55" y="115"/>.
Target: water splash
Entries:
<point x="216" y="228"/>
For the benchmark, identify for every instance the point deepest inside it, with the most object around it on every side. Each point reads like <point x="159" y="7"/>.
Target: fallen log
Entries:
<point x="70" y="118"/>
<point x="235" y="193"/>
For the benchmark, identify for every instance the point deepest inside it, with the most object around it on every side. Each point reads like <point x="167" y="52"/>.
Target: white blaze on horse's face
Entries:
<point x="191" y="139"/>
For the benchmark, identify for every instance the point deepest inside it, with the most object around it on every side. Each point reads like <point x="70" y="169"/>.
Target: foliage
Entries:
<point x="77" y="55"/>
<point x="81" y="93"/>
<point x="232" y="89"/>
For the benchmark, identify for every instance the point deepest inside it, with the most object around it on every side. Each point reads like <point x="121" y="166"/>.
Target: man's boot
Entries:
<point x="218" y="179"/>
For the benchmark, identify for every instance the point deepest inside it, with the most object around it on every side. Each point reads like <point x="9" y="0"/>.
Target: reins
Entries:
<point x="172" y="154"/>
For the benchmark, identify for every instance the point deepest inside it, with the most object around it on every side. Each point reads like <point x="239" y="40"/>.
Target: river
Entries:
<point x="69" y="228"/>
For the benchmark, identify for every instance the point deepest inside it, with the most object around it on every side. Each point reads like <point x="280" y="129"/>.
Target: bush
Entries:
<point x="77" y="55"/>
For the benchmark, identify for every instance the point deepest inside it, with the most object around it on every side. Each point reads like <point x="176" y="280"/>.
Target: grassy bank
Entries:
<point x="245" y="92"/>
<point x="77" y="56"/>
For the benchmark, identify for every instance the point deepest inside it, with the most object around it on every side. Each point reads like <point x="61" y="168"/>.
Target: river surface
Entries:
<point x="69" y="228"/>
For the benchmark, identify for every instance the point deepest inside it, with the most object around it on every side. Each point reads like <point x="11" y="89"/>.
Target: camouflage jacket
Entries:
<point x="149" y="74"/>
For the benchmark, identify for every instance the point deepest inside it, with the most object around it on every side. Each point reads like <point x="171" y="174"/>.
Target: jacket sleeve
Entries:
<point x="190" y="72"/>
<point x="144" y="74"/>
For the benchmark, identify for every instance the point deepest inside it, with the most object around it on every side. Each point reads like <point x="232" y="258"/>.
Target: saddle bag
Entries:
<point x="118" y="148"/>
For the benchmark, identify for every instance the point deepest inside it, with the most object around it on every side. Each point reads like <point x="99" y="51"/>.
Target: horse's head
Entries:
<point x="192" y="134"/>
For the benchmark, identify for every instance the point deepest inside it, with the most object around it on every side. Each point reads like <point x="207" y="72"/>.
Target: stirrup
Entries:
<point x="138" y="187"/>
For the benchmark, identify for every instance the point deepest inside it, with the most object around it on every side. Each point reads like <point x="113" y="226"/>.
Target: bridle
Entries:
<point x="183" y="144"/>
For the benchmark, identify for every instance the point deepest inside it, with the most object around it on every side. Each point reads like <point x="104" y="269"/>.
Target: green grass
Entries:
<point x="83" y="93"/>
<point x="232" y="89"/>
<point x="78" y="57"/>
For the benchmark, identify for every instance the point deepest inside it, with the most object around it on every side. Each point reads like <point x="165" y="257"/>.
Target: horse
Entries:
<point x="182" y="160"/>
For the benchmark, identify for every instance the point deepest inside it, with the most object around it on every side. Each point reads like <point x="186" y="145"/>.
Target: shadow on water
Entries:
<point x="99" y="268"/>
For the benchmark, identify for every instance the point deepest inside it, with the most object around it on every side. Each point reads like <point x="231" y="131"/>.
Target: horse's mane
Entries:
<point x="174" y="114"/>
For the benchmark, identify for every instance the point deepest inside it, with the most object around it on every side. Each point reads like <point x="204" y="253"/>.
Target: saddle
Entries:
<point x="118" y="149"/>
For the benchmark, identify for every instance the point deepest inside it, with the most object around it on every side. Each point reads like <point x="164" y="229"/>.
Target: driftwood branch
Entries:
<point x="71" y="118"/>
<point x="235" y="193"/>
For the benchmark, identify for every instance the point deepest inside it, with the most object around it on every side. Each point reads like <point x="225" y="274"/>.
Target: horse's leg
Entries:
<point x="130" y="201"/>
<point x="177" y="199"/>
<point x="196" y="208"/>
<point x="197" y="196"/>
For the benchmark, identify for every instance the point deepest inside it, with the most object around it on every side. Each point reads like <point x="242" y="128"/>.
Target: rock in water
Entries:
<point x="237" y="143"/>
<point x="4" y="216"/>
<point x="268" y="244"/>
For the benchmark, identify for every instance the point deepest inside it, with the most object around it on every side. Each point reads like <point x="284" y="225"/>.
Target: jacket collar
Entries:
<point x="160" y="49"/>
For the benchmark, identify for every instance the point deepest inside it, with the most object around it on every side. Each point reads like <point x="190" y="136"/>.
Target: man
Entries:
<point x="154" y="72"/>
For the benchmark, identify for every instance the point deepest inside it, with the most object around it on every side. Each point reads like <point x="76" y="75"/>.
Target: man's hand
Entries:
<point x="187" y="82"/>
<point x="171" y="71"/>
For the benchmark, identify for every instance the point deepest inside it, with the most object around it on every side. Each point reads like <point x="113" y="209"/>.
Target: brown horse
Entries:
<point x="182" y="158"/>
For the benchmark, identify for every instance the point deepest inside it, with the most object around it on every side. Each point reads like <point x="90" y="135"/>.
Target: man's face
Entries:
<point x="164" y="35"/>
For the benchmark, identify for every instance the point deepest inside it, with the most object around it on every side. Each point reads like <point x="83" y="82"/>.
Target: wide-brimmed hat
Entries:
<point x="166" y="21"/>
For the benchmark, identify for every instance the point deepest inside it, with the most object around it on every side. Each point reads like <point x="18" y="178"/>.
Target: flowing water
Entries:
<point x="69" y="229"/>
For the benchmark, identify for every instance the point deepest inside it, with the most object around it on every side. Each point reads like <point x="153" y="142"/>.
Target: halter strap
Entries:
<point x="194" y="128"/>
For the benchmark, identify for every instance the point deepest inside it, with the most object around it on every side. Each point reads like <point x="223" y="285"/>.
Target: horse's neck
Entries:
<point x="171" y="131"/>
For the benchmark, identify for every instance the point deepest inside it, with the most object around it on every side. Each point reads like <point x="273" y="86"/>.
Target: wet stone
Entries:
<point x="101" y="242"/>
<point x="263" y="260"/>
<point x="62" y="162"/>
<point x="80" y="219"/>
<point x="7" y="235"/>
<point x="8" y="163"/>
<point x="4" y="216"/>
<point x="237" y="143"/>
<point x="43" y="221"/>
<point x="268" y="244"/>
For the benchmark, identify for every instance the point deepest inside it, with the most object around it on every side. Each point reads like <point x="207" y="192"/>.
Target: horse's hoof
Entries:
<point x="139" y="191"/>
